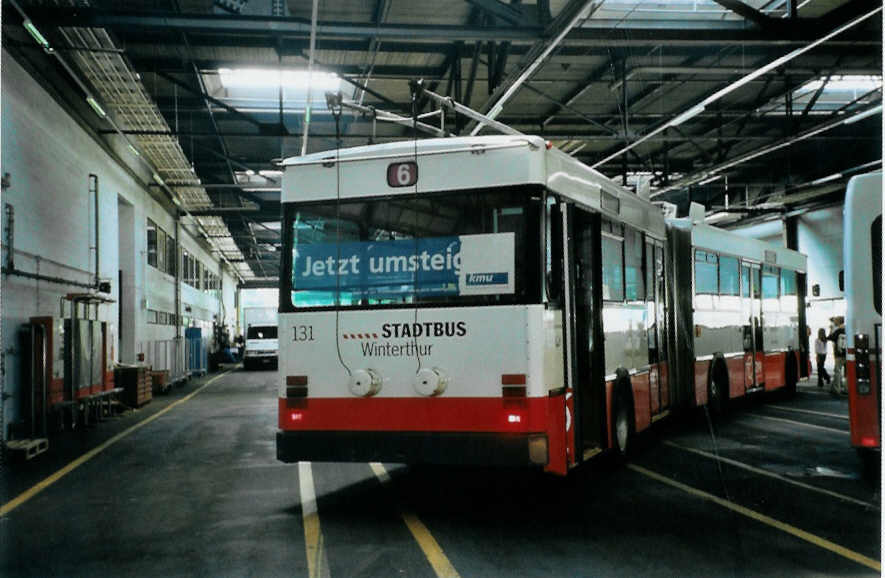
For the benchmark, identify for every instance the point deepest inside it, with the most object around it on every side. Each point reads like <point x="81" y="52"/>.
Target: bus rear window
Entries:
<point x="876" y="250"/>
<point x="472" y="246"/>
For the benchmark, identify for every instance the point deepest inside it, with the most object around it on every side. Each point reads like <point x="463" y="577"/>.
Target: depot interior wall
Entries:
<point x="49" y="158"/>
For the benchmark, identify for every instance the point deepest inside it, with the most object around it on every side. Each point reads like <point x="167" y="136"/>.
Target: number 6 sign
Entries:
<point x="402" y="174"/>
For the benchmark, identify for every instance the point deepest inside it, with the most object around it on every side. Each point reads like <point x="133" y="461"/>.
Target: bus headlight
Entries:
<point x="431" y="381"/>
<point x="365" y="382"/>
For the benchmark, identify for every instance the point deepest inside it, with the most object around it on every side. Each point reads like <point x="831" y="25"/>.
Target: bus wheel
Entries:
<point x="717" y="388"/>
<point x="623" y="421"/>
<point x="790" y="377"/>
<point x="871" y="461"/>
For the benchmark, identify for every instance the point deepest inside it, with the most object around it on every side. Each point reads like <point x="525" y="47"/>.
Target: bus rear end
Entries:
<point x="411" y="323"/>
<point x="862" y="257"/>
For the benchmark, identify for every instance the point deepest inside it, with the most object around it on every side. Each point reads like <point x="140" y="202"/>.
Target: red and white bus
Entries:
<point x="491" y="300"/>
<point x="862" y="260"/>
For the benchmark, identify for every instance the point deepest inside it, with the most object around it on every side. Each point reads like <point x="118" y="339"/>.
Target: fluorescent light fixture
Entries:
<point x="35" y="34"/>
<point x="250" y="172"/>
<point x="262" y="189"/>
<point x="716" y="217"/>
<point x="577" y="149"/>
<point x="827" y="179"/>
<point x="159" y="180"/>
<point x="863" y="115"/>
<point x="320" y="82"/>
<point x="270" y="173"/>
<point x="176" y="201"/>
<point x="688" y="114"/>
<point x="96" y="107"/>
<point x="133" y="150"/>
<point x="710" y="180"/>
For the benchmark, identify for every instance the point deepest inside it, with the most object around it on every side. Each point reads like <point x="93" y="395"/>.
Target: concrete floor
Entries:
<point x="197" y="491"/>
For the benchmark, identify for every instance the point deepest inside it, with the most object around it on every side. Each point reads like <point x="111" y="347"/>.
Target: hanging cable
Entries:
<point x="333" y="101"/>
<point x="415" y="230"/>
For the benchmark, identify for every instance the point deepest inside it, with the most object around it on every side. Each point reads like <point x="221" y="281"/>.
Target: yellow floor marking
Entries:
<point x="835" y="415"/>
<point x="802" y="423"/>
<point x="590" y="452"/>
<point x="659" y="416"/>
<point x="45" y="483"/>
<point x="437" y="558"/>
<point x="317" y="562"/>
<point x="762" y="472"/>
<point x="784" y="527"/>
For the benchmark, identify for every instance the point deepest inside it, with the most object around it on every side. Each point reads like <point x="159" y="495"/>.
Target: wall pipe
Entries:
<point x="47" y="278"/>
<point x="93" y="188"/>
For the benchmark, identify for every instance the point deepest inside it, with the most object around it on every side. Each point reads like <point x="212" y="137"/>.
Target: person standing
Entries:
<point x="838" y="339"/>
<point x="820" y="349"/>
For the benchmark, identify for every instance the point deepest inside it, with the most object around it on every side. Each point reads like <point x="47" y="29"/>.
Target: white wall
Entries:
<point x="49" y="158"/>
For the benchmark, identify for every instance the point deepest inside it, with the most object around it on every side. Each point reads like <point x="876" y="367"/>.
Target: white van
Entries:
<point x="262" y="346"/>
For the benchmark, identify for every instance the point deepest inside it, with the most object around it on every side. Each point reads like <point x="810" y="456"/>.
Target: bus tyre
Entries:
<point x="623" y="421"/>
<point x="790" y="377"/>
<point x="717" y="388"/>
<point x="871" y="461"/>
<point x="247" y="365"/>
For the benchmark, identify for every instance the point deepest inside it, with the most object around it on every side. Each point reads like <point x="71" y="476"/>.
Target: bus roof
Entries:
<point x="459" y="163"/>
<point x="725" y="242"/>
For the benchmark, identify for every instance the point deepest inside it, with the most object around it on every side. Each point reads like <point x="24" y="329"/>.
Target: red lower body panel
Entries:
<point x="504" y="416"/>
<point x="773" y="367"/>
<point x="641" y="401"/>
<point x="701" y="371"/>
<point x="736" y="385"/>
<point x="863" y="410"/>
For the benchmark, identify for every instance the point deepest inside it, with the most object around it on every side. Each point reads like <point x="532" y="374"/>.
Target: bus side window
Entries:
<point x="651" y="307"/>
<point x="729" y="283"/>
<point x="612" y="263"/>
<point x="553" y="251"/>
<point x="635" y="282"/>
<point x="770" y="288"/>
<point x="706" y="280"/>
<point x="876" y="253"/>
<point x="661" y="304"/>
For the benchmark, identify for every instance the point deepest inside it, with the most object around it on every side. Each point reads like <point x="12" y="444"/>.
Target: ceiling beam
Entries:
<point x="574" y="13"/>
<point x="619" y="32"/>
<point x="512" y="14"/>
<point x="747" y="12"/>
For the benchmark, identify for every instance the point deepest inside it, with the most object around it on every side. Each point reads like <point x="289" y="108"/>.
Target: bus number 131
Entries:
<point x="302" y="333"/>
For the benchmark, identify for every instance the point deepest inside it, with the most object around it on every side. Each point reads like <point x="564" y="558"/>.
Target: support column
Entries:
<point x="791" y="241"/>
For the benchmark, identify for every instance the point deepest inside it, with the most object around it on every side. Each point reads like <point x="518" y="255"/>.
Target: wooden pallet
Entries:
<point x="27" y="448"/>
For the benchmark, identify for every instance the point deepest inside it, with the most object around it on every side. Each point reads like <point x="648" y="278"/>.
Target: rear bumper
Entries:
<point x="491" y="449"/>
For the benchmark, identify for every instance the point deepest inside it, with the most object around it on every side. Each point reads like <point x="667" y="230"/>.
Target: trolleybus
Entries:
<point x="862" y="257"/>
<point x="491" y="300"/>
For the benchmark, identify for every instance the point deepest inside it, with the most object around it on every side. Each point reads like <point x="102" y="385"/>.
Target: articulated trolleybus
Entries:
<point x="862" y="255"/>
<point x="490" y="300"/>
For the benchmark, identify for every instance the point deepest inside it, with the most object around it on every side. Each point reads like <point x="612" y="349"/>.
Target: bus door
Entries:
<point x="661" y="329"/>
<point x="583" y="276"/>
<point x="751" y="299"/>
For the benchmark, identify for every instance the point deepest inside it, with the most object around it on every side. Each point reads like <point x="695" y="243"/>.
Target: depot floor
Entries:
<point x="197" y="491"/>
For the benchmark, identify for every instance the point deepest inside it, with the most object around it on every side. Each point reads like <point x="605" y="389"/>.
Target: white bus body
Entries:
<point x="862" y="262"/>
<point x="474" y="300"/>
